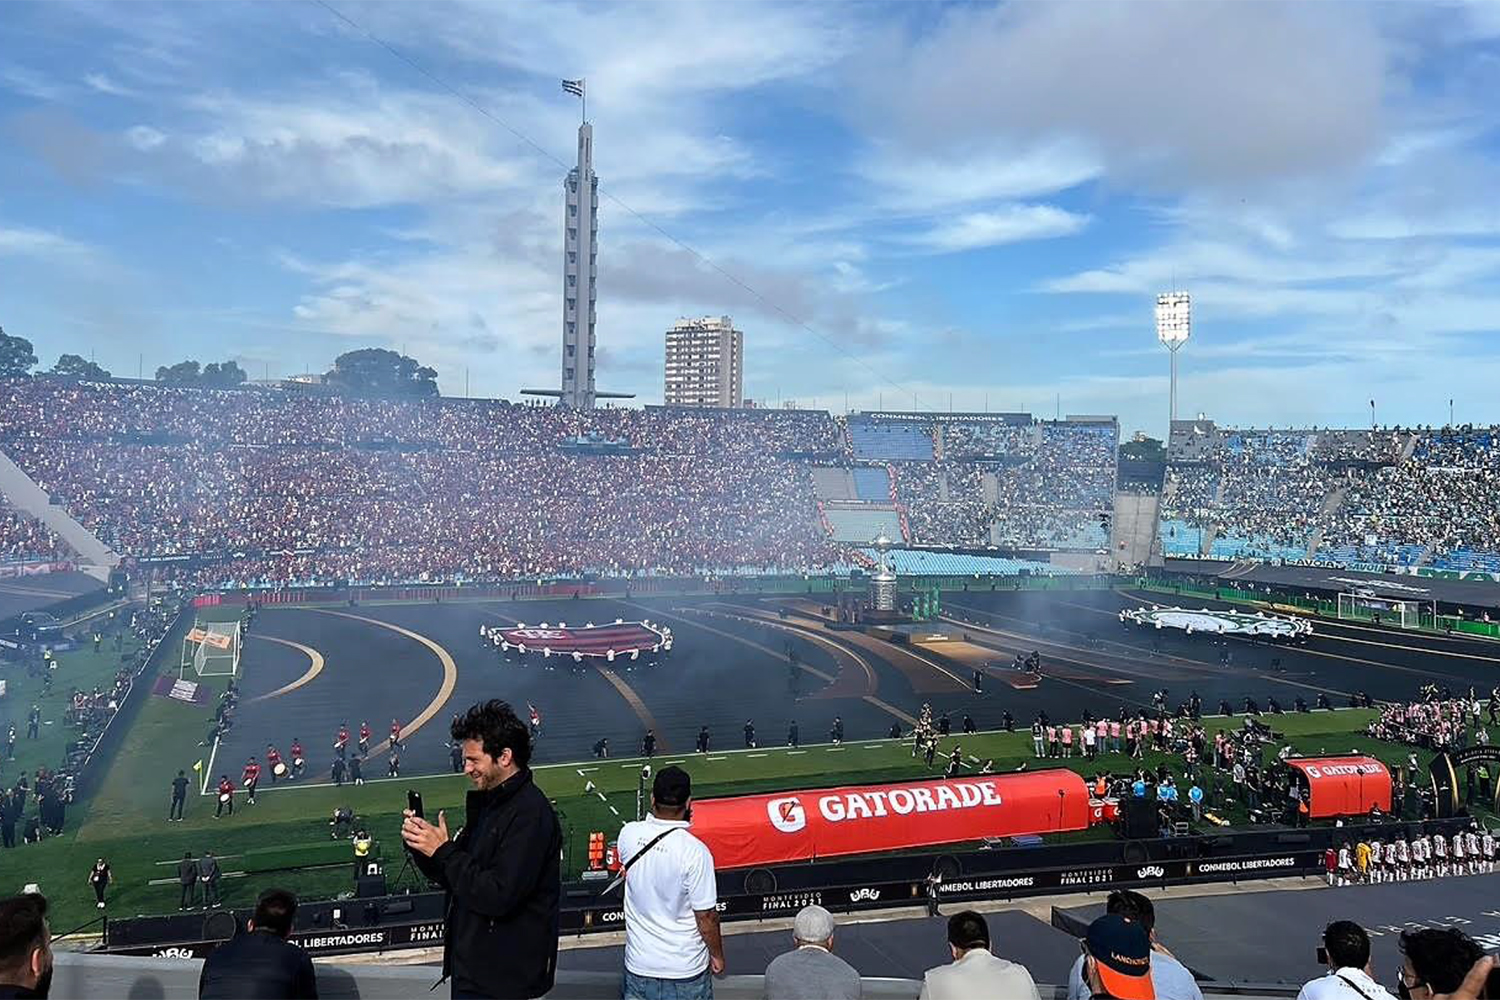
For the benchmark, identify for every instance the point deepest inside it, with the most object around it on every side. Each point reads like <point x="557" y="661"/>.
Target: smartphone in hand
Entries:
<point x="414" y="803"/>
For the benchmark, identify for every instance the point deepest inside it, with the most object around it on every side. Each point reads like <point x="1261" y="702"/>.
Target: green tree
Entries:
<point x="222" y="376"/>
<point x="17" y="357"/>
<point x="77" y="366"/>
<point x="182" y="373"/>
<point x="1144" y="449"/>
<point x="373" y="371"/>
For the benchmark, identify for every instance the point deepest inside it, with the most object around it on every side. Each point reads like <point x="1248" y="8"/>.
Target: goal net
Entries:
<point x="212" y="649"/>
<point x="1385" y="610"/>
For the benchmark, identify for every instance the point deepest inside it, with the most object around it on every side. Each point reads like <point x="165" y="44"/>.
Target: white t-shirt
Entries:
<point x="662" y="891"/>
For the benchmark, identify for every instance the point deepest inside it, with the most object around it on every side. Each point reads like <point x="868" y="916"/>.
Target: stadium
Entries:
<point x="777" y="628"/>
<point x="343" y="663"/>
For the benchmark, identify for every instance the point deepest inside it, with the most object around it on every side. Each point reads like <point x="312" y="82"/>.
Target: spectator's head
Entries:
<point x="275" y="911"/>
<point x="814" y="925"/>
<point x="181" y="774"/>
<point x="967" y="930"/>
<point x="25" y="947"/>
<point x="1347" y="945"/>
<point x="671" y="793"/>
<point x="1117" y="959"/>
<point x="1436" y="960"/>
<point x="496" y="743"/>
<point x="1133" y="906"/>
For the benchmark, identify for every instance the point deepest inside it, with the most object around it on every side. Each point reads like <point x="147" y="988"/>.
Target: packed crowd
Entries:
<point x="1387" y="496"/>
<point x="1053" y="481"/>
<point x="274" y="488"/>
<point x="24" y="538"/>
<point x="270" y="487"/>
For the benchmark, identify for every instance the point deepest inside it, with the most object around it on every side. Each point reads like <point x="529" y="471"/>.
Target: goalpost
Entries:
<point x="212" y="649"/>
<point x="1386" y="610"/>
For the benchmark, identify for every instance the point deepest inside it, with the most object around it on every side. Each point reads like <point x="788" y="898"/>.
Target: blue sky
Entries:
<point x="929" y="201"/>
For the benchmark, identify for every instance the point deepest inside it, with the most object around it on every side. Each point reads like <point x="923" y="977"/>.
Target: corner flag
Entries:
<point x="198" y="766"/>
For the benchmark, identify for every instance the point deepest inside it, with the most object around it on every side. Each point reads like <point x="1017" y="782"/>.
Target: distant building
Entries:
<point x="705" y="363"/>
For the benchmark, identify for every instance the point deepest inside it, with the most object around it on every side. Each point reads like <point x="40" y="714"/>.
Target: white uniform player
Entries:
<point x="1403" y="858"/>
<point x="1489" y="845"/>
<point x="1440" y="854"/>
<point x="1457" y="853"/>
<point x="1471" y="850"/>
<point x="1346" y="866"/>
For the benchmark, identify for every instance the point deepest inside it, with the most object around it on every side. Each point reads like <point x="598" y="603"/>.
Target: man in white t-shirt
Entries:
<point x="672" y="942"/>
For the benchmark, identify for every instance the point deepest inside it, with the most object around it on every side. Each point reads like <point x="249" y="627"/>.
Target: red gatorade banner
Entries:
<point x="1344" y="786"/>
<point x="828" y="822"/>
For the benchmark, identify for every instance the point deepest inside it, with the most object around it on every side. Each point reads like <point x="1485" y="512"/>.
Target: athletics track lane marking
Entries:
<point x="871" y="699"/>
<point x="313" y="670"/>
<point x="445" y="691"/>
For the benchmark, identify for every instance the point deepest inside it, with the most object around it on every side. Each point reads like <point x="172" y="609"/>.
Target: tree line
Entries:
<point x="369" y="371"/>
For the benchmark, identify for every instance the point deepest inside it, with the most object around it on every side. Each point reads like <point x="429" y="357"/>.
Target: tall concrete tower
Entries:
<point x="580" y="275"/>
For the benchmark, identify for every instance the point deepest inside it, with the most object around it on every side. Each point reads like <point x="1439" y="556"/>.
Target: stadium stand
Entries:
<point x="1386" y="497"/>
<point x="890" y="440"/>
<point x="266" y="487"/>
<point x="23" y="538"/>
<point x="872" y="483"/>
<point x="861" y="523"/>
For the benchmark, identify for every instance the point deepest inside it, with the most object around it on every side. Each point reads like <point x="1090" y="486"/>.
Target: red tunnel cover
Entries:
<point x="827" y="822"/>
<point x="1344" y="786"/>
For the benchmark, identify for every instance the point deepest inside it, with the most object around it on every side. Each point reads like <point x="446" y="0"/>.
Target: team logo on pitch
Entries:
<point x="787" y="815"/>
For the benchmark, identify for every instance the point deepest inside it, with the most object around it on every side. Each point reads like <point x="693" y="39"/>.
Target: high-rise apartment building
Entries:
<point x="705" y="363"/>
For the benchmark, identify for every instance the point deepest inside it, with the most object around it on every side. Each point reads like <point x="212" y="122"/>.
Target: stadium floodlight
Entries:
<point x="1174" y="325"/>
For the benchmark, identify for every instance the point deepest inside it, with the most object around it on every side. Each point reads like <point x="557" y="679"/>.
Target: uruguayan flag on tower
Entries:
<point x="574" y="87"/>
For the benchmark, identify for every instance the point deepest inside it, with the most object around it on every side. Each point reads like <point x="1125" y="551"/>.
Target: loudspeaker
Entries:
<point x="368" y="886"/>
<point x="220" y="926"/>
<point x="1139" y="819"/>
<point x="760" y="881"/>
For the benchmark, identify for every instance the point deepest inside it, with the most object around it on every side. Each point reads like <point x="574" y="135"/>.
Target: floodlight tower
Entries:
<point x="1174" y="324"/>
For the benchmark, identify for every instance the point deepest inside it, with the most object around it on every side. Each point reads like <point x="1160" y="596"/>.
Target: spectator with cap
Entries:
<point x="975" y="972"/>
<point x="811" y="971"/>
<point x="1117" y="959"/>
<point x="1170" y="979"/>
<point x="1346" y="951"/>
<point x="1435" y="960"/>
<point x="261" y="961"/>
<point x="502" y="872"/>
<point x="673" y="947"/>
<point x="25" y="947"/>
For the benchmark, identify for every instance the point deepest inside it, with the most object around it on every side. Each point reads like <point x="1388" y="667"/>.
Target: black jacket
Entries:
<point x="504" y="881"/>
<point x="257" y="964"/>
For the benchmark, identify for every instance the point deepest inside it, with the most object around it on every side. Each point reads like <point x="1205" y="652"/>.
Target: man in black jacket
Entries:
<point x="261" y="962"/>
<point x="187" y="877"/>
<point x="502" y="870"/>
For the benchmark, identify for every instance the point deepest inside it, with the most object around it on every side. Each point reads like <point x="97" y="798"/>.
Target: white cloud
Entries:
<point x="1009" y="224"/>
<point x="104" y="85"/>
<point x="144" y="138"/>
<point x="27" y="242"/>
<point x="911" y="183"/>
<point x="1216" y="93"/>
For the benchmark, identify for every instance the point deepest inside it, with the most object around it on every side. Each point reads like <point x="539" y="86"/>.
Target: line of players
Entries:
<point x="344" y="767"/>
<point x="1466" y="852"/>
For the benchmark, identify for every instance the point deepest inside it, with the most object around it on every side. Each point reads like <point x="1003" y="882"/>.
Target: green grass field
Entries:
<point x="273" y="842"/>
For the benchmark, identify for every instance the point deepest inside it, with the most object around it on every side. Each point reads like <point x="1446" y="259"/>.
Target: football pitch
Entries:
<point x="306" y="670"/>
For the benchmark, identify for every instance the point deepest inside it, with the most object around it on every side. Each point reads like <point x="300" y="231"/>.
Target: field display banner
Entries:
<point x="829" y="822"/>
<point x="1344" y="786"/>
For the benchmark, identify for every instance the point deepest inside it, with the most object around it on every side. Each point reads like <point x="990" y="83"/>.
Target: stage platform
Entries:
<point x="910" y="633"/>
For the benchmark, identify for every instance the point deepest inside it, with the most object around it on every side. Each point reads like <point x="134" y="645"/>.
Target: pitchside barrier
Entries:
<point x="416" y="920"/>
